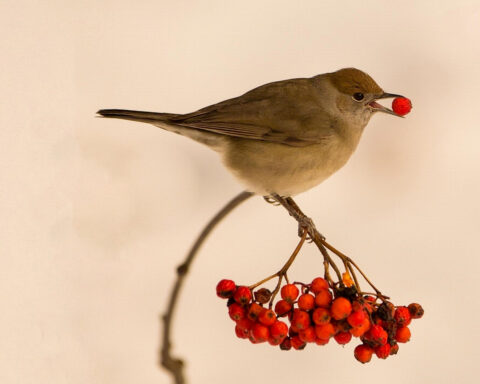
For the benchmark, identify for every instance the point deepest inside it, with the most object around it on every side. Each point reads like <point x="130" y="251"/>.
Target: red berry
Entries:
<point x="383" y="351"/>
<point x="341" y="308"/>
<point x="363" y="353"/>
<point x="401" y="106"/>
<point x="356" y="318"/>
<point x="360" y="330"/>
<point x="375" y="336"/>
<point x="297" y="343"/>
<point x="402" y="316"/>
<point x="236" y="311"/>
<point x="416" y="310"/>
<point x="323" y="298"/>
<point x="267" y="317"/>
<point x="259" y="333"/>
<point x="307" y="335"/>
<point x="241" y="333"/>
<point x="225" y="288"/>
<point x="289" y="292"/>
<point x="318" y="284"/>
<point x="324" y="331"/>
<point x="402" y="335"/>
<point x="242" y="295"/>
<point x="300" y="320"/>
<point x="343" y="337"/>
<point x="306" y="302"/>
<point x="282" y="308"/>
<point x="321" y="341"/>
<point x="321" y="316"/>
<point x="254" y="311"/>
<point x="278" y="331"/>
<point x="245" y="323"/>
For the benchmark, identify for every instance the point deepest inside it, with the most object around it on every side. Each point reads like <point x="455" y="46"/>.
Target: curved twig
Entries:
<point x="170" y="363"/>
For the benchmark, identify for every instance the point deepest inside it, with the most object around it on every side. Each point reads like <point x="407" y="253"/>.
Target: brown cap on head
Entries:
<point x="351" y="80"/>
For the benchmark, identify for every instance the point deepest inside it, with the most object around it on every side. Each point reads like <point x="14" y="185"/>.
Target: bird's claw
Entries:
<point x="306" y="224"/>
<point x="271" y="200"/>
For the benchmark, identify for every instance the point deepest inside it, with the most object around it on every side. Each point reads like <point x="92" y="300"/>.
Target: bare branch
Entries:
<point x="170" y="363"/>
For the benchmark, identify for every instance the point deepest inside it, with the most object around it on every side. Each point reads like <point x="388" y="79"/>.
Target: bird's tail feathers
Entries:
<point x="163" y="120"/>
<point x="145" y="117"/>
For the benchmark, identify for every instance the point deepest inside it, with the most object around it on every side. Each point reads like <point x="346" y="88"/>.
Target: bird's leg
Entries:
<point x="304" y="222"/>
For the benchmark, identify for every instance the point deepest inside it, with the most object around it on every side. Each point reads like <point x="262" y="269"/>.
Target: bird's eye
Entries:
<point x="358" y="96"/>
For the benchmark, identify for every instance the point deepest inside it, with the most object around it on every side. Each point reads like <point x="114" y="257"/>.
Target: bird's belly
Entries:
<point x="267" y="168"/>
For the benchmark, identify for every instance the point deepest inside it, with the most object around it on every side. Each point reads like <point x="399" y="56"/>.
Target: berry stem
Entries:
<point x="308" y="226"/>
<point x="282" y="273"/>
<point x="350" y="261"/>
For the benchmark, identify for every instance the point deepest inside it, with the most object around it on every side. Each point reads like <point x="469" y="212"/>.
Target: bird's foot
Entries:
<point x="306" y="224"/>
<point x="271" y="200"/>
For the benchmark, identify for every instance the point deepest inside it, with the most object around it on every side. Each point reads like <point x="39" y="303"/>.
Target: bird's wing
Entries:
<point x="288" y="112"/>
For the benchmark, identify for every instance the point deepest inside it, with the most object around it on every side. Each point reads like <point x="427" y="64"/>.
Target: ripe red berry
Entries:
<point x="282" y="308"/>
<point x="241" y="333"/>
<point x="245" y="323"/>
<point x="360" y="330"/>
<point x="321" y="316"/>
<point x="343" y="337"/>
<point x="324" y="331"/>
<point x="401" y="106"/>
<point x="403" y="334"/>
<point x="375" y="336"/>
<point x="225" y="288"/>
<point x="306" y="302"/>
<point x="307" y="335"/>
<point x="318" y="284"/>
<point x="300" y="320"/>
<point x="323" y="298"/>
<point x="289" y="293"/>
<point x="416" y="310"/>
<point x="402" y="316"/>
<point x="254" y="311"/>
<point x="236" y="311"/>
<point x="321" y="341"/>
<point x="267" y="317"/>
<point x="278" y="331"/>
<point x="297" y="343"/>
<point x="363" y="353"/>
<point x="383" y="351"/>
<point x="242" y="295"/>
<point x="341" y="308"/>
<point x="259" y="333"/>
<point x="356" y="318"/>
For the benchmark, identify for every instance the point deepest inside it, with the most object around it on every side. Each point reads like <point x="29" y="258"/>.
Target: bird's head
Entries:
<point x="357" y="94"/>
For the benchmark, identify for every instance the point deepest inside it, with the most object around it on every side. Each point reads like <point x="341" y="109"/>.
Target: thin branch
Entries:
<point x="170" y="363"/>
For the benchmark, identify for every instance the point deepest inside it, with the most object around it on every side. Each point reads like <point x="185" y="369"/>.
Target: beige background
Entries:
<point x="97" y="213"/>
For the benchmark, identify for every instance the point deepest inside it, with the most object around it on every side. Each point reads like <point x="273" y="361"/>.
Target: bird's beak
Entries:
<point x="378" y="107"/>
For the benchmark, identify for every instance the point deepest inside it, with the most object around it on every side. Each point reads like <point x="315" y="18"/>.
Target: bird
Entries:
<point x="285" y="137"/>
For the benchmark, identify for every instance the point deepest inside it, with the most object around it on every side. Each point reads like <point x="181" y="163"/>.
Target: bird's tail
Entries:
<point x="145" y="117"/>
<point x="163" y="120"/>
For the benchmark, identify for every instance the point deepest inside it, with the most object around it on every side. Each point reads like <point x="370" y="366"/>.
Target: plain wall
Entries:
<point x="96" y="213"/>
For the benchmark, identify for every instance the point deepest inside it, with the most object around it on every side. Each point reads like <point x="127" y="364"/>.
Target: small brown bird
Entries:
<point x="284" y="137"/>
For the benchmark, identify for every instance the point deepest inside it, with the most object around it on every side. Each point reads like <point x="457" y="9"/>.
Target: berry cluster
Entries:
<point x="316" y="313"/>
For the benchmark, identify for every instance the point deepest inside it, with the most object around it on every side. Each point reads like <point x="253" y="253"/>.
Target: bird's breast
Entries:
<point x="267" y="168"/>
